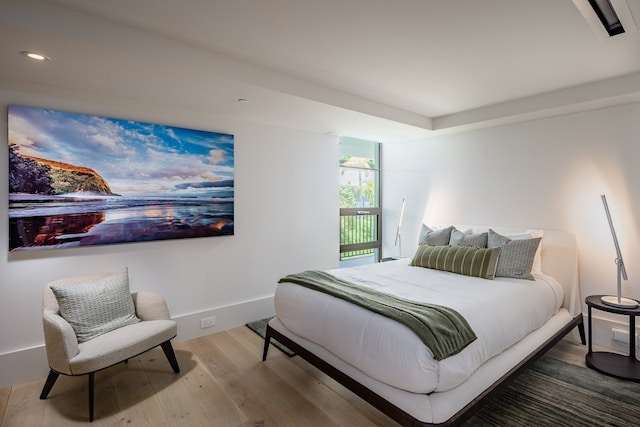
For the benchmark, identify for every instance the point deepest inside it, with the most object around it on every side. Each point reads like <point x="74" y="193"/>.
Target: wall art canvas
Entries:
<point x="82" y="180"/>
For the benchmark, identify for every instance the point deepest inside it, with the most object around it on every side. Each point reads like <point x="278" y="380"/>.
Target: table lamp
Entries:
<point x="398" y="233"/>
<point x="619" y="300"/>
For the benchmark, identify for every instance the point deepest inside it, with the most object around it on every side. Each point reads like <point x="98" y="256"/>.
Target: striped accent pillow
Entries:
<point x="467" y="260"/>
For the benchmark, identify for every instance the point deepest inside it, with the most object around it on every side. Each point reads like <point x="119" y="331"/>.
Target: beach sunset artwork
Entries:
<point x="82" y="180"/>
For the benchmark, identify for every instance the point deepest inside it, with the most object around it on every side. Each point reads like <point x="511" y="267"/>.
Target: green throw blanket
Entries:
<point x="441" y="329"/>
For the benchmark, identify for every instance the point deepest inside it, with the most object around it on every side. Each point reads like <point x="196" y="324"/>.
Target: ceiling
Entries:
<point x="376" y="69"/>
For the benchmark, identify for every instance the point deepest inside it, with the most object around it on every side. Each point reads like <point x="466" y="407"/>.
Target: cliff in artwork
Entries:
<point x="34" y="175"/>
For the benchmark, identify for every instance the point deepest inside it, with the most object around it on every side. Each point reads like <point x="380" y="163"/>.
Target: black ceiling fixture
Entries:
<point x="608" y="16"/>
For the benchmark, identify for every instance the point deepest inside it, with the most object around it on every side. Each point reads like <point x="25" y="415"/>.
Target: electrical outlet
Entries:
<point x="207" y="322"/>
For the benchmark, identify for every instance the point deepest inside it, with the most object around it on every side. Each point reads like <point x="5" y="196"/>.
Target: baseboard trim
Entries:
<point x="227" y="317"/>
<point x="23" y="365"/>
<point x="30" y="364"/>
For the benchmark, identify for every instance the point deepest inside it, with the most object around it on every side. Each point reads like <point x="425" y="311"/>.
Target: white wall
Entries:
<point x="546" y="173"/>
<point x="285" y="180"/>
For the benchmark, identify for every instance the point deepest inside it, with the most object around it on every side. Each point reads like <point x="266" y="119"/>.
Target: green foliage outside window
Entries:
<point x="350" y="194"/>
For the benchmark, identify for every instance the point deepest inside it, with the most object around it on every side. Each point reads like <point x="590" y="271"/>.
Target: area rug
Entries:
<point x="260" y="328"/>
<point x="550" y="393"/>
<point x="555" y="393"/>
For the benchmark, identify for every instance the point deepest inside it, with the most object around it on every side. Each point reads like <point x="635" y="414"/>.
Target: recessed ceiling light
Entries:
<point x="35" y="55"/>
<point x="607" y="18"/>
<point x="243" y="100"/>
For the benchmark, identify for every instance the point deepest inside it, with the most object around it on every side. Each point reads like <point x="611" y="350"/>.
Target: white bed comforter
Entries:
<point x="500" y="312"/>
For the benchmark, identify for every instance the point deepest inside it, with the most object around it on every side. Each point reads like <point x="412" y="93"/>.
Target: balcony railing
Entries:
<point x="360" y="232"/>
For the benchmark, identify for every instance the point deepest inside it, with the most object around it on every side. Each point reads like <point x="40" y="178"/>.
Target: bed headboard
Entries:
<point x="559" y="259"/>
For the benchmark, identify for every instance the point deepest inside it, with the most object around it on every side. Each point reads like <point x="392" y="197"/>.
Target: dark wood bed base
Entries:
<point x="398" y="414"/>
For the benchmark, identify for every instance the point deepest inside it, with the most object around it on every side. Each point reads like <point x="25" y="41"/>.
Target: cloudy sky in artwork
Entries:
<point x="133" y="157"/>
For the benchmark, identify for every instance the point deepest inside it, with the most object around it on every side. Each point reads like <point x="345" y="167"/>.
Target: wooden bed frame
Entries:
<point x="399" y="415"/>
<point x="560" y="260"/>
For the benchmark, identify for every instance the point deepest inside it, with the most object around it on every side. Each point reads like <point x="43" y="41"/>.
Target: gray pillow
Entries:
<point x="439" y="237"/>
<point x="95" y="308"/>
<point x="477" y="262"/>
<point x="516" y="258"/>
<point x="460" y="238"/>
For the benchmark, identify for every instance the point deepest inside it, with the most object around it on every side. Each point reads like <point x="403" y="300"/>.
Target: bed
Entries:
<point x="384" y="362"/>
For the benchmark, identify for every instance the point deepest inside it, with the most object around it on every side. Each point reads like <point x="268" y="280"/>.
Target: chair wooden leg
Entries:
<point x="48" y="385"/>
<point x="583" y="339"/>
<point x="267" y="341"/>
<point x="171" y="356"/>
<point x="91" y="381"/>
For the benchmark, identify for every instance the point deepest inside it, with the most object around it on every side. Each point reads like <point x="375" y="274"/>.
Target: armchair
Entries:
<point x="69" y="355"/>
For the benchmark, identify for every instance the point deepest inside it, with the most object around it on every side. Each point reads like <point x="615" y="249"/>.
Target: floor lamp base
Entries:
<point x="619" y="302"/>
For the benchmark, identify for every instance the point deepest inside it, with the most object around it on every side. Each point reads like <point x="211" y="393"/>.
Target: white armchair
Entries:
<point x="67" y="356"/>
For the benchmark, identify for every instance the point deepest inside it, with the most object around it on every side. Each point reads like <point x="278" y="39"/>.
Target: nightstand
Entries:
<point x="616" y="365"/>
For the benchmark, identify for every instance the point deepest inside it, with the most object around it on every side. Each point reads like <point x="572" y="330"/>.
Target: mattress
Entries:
<point x="501" y="312"/>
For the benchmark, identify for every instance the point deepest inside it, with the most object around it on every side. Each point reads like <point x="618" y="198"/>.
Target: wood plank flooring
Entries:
<point x="222" y="382"/>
